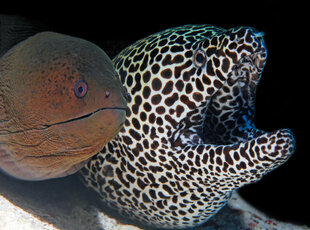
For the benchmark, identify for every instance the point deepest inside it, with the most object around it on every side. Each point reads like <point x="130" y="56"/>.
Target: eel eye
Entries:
<point x="80" y="89"/>
<point x="200" y="58"/>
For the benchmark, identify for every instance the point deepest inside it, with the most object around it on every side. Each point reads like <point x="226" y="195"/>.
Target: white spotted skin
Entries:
<point x="189" y="140"/>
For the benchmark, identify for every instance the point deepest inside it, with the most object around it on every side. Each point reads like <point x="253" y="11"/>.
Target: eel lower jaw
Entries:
<point x="263" y="151"/>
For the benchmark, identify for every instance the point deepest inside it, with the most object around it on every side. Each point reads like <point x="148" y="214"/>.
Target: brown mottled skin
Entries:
<point x="46" y="131"/>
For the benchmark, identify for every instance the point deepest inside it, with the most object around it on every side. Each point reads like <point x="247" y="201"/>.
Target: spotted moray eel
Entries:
<point x="189" y="140"/>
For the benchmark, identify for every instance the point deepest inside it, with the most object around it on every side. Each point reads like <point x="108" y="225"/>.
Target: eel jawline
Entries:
<point x="81" y="117"/>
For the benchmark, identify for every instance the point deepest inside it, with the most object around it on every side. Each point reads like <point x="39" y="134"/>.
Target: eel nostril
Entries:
<point x="259" y="35"/>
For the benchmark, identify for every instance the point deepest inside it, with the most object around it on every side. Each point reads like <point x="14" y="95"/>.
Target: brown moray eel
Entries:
<point x="60" y="102"/>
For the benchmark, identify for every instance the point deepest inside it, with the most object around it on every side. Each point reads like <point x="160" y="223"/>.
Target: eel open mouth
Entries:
<point x="229" y="116"/>
<point x="229" y="119"/>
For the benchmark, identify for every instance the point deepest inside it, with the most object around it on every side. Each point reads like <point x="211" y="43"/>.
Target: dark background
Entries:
<point x="281" y="102"/>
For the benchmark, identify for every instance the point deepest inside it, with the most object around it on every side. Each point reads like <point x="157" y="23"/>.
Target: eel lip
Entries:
<point x="83" y="116"/>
